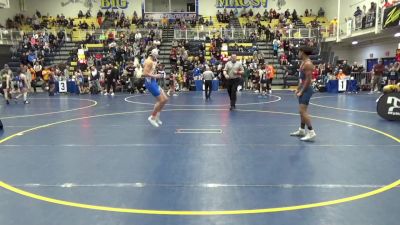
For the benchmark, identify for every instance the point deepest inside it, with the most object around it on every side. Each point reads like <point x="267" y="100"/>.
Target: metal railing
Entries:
<point x="362" y="77"/>
<point x="359" y="23"/>
<point x="13" y="36"/>
<point x="98" y="34"/>
<point x="248" y="33"/>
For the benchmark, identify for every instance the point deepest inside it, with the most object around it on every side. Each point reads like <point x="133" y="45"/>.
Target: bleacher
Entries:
<point x="216" y="23"/>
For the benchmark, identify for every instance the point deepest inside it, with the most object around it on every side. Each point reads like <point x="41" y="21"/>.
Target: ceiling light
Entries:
<point x="397" y="35"/>
<point x="354" y="42"/>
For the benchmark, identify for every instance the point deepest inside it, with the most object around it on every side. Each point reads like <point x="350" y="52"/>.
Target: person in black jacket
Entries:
<point x="111" y="78"/>
<point x="130" y="70"/>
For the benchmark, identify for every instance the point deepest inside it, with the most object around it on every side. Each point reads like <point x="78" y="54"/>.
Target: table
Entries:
<point x="199" y="85"/>
<point x="215" y="85"/>
<point x="334" y="86"/>
<point x="72" y="87"/>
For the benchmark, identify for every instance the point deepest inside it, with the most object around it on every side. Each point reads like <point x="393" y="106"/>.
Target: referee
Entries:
<point x="232" y="72"/>
<point x="208" y="76"/>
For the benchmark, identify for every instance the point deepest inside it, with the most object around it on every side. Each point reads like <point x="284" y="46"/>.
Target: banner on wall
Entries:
<point x="241" y="3"/>
<point x="388" y="106"/>
<point x="114" y="4"/>
<point x="391" y="16"/>
<point x="170" y="16"/>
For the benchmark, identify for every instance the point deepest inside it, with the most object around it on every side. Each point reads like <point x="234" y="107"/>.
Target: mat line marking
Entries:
<point x="200" y="213"/>
<point x="183" y="144"/>
<point x="337" y="108"/>
<point x="201" y="185"/>
<point x="205" y="105"/>
<point x="57" y="112"/>
<point x="198" y="131"/>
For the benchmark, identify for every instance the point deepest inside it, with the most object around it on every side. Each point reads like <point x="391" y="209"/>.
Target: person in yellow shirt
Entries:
<point x="33" y="78"/>
<point x="46" y="76"/>
<point x="333" y="26"/>
<point x="46" y="73"/>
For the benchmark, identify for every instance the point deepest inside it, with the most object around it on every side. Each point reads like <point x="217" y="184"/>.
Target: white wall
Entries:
<point x="9" y="13"/>
<point x="208" y="7"/>
<point x="348" y="7"/>
<point x="360" y="53"/>
<point x="53" y="7"/>
<point x="178" y="5"/>
<point x="331" y="8"/>
<point x="157" y="5"/>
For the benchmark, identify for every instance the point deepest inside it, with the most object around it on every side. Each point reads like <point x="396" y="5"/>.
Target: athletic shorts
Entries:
<point x="393" y="77"/>
<point x="306" y="97"/>
<point x="264" y="81"/>
<point x="153" y="87"/>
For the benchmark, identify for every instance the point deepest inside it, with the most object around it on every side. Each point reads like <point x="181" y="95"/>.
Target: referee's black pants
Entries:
<point x="208" y="88"/>
<point x="232" y="85"/>
<point x="111" y="83"/>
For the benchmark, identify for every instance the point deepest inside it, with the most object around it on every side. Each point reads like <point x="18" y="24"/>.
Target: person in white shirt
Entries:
<point x="208" y="77"/>
<point x="263" y="79"/>
<point x="138" y="36"/>
<point x="233" y="71"/>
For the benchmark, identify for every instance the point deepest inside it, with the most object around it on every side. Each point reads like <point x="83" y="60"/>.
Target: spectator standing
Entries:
<point x="208" y="77"/>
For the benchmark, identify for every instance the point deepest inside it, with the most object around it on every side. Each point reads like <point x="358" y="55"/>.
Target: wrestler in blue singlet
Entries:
<point x="307" y="93"/>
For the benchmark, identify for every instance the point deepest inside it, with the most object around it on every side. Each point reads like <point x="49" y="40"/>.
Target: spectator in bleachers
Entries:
<point x="88" y="14"/>
<point x="372" y="9"/>
<point x="258" y="16"/>
<point x="214" y="60"/>
<point x="276" y="44"/>
<point x="84" y="25"/>
<point x="294" y="15"/>
<point x="138" y="36"/>
<point x="250" y="13"/>
<point x="387" y="4"/>
<point x="321" y="12"/>
<point x="13" y="51"/>
<point x="80" y="14"/>
<point x="99" y="14"/>
<point x="283" y="59"/>
<point x="32" y="57"/>
<point x="287" y="14"/>
<point x="306" y="13"/>
<point x="358" y="16"/>
<point x="340" y="75"/>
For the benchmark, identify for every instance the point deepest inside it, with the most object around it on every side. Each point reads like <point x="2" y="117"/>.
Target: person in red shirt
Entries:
<point x="99" y="58"/>
<point x="284" y="59"/>
<point x="315" y="73"/>
<point x="110" y="37"/>
<point x="377" y="76"/>
<point x="387" y="4"/>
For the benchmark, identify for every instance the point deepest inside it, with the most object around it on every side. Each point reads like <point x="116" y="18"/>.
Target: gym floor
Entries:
<point x="82" y="160"/>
